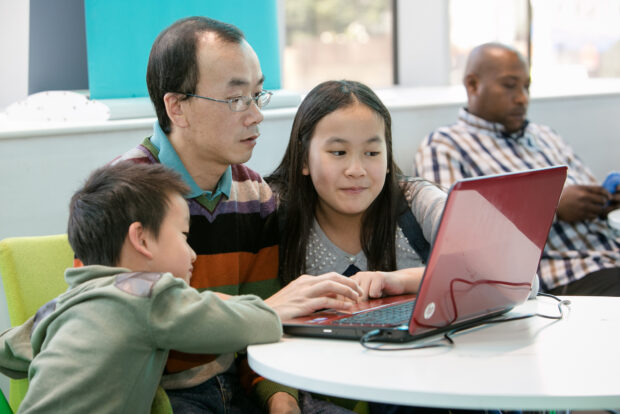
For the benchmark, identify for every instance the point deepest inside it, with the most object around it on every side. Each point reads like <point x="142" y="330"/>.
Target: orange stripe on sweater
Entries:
<point x="234" y="268"/>
<point x="180" y="361"/>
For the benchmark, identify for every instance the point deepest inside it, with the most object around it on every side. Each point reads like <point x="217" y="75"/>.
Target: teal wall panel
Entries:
<point x="119" y="35"/>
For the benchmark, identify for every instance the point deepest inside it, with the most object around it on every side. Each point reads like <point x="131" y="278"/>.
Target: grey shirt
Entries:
<point x="426" y="201"/>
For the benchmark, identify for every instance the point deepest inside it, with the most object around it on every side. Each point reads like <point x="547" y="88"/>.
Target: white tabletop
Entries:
<point x="532" y="364"/>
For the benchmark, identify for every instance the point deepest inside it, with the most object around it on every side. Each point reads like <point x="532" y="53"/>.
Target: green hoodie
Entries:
<point x="102" y="345"/>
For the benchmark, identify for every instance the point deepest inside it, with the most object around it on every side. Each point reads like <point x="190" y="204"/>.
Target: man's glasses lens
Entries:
<point x="240" y="103"/>
<point x="243" y="102"/>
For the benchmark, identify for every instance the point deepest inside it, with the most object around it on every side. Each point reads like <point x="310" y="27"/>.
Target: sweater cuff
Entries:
<point x="264" y="389"/>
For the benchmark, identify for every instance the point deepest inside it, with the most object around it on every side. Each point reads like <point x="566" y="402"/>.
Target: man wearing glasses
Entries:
<point x="206" y="85"/>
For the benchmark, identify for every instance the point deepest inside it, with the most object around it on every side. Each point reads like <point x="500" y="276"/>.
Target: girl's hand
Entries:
<point x="378" y="284"/>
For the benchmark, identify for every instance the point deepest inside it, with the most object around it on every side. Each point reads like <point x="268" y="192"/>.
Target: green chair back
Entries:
<point x="32" y="271"/>
<point x="4" y="405"/>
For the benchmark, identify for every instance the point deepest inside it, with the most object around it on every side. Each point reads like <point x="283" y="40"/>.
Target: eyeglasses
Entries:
<point x="240" y="103"/>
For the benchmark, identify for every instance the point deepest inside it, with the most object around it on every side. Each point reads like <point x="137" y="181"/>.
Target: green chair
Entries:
<point x="32" y="271"/>
<point x="4" y="405"/>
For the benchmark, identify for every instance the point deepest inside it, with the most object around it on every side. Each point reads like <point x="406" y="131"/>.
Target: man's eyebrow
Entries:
<point x="510" y="77"/>
<point x="244" y="82"/>
<point x="238" y="82"/>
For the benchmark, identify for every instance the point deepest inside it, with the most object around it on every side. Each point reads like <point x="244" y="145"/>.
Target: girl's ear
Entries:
<point x="305" y="170"/>
<point x="175" y="109"/>
<point x="139" y="239"/>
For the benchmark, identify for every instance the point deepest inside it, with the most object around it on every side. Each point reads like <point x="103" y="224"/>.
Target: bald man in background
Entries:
<point x="493" y="136"/>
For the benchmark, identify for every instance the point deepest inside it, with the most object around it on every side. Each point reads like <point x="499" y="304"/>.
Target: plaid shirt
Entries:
<point x="474" y="147"/>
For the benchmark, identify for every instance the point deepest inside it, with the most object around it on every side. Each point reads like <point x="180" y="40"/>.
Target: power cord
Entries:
<point x="446" y="341"/>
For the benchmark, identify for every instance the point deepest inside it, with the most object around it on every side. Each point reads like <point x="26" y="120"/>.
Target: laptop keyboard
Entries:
<point x="388" y="316"/>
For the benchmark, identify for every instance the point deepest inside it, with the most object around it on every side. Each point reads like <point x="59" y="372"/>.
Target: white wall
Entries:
<point x="40" y="169"/>
<point x="14" y="38"/>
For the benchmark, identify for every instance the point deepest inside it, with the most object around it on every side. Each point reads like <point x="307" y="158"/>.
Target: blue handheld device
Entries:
<point x="612" y="181"/>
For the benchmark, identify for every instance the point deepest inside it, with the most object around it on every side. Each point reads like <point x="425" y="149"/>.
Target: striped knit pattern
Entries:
<point x="235" y="240"/>
<point x="473" y="147"/>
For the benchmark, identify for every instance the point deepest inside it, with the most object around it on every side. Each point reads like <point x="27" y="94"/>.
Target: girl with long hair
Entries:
<point x="344" y="204"/>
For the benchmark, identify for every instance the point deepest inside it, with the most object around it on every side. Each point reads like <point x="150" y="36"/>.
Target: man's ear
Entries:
<point x="175" y="109"/>
<point x="471" y="83"/>
<point x="138" y="237"/>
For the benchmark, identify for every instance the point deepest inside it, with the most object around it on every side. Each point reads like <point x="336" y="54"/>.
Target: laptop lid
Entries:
<point x="483" y="260"/>
<point x="487" y="248"/>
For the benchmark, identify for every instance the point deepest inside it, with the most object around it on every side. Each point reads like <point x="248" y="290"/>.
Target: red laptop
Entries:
<point x="482" y="263"/>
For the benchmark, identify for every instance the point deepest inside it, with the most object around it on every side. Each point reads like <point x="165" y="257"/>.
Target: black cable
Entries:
<point x="561" y="302"/>
<point x="364" y="341"/>
<point x="368" y="337"/>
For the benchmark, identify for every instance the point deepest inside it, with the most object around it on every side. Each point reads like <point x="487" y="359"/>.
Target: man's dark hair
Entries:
<point x="112" y="198"/>
<point x="173" y="65"/>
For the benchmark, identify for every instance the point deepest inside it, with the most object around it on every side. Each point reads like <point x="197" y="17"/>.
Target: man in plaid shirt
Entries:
<point x="493" y="136"/>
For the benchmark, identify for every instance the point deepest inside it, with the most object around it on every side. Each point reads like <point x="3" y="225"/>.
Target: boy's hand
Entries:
<point x="307" y="294"/>
<point x="378" y="284"/>
<point x="282" y="403"/>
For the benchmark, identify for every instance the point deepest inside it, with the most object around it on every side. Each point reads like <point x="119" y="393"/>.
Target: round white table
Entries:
<point x="533" y="364"/>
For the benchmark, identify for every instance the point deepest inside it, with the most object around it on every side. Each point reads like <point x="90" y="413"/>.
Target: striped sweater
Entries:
<point x="236" y="242"/>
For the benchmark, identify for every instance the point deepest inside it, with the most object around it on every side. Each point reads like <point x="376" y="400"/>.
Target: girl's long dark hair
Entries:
<point x="298" y="198"/>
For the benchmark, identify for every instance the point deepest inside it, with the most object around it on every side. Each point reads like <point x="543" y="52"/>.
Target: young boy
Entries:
<point x="102" y="345"/>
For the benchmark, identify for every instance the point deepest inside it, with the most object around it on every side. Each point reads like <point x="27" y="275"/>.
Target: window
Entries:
<point x="569" y="40"/>
<point x="574" y="40"/>
<point x="474" y="22"/>
<point x="337" y="39"/>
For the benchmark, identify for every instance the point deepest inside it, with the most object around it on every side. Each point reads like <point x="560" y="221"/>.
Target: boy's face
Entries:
<point x="170" y="250"/>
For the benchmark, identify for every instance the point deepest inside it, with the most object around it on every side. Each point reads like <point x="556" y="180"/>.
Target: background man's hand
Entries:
<point x="307" y="294"/>
<point x="614" y="202"/>
<point x="582" y="202"/>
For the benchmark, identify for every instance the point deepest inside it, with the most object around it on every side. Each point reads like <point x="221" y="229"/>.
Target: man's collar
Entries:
<point x="496" y="129"/>
<point x="169" y="157"/>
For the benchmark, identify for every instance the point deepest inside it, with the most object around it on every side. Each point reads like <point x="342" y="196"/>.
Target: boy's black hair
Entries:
<point x="111" y="199"/>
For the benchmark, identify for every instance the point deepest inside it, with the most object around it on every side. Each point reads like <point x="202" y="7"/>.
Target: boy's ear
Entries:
<point x="175" y="109"/>
<point x="138" y="238"/>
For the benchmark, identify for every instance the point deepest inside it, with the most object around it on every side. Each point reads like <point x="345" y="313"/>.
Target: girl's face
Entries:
<point x="347" y="160"/>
